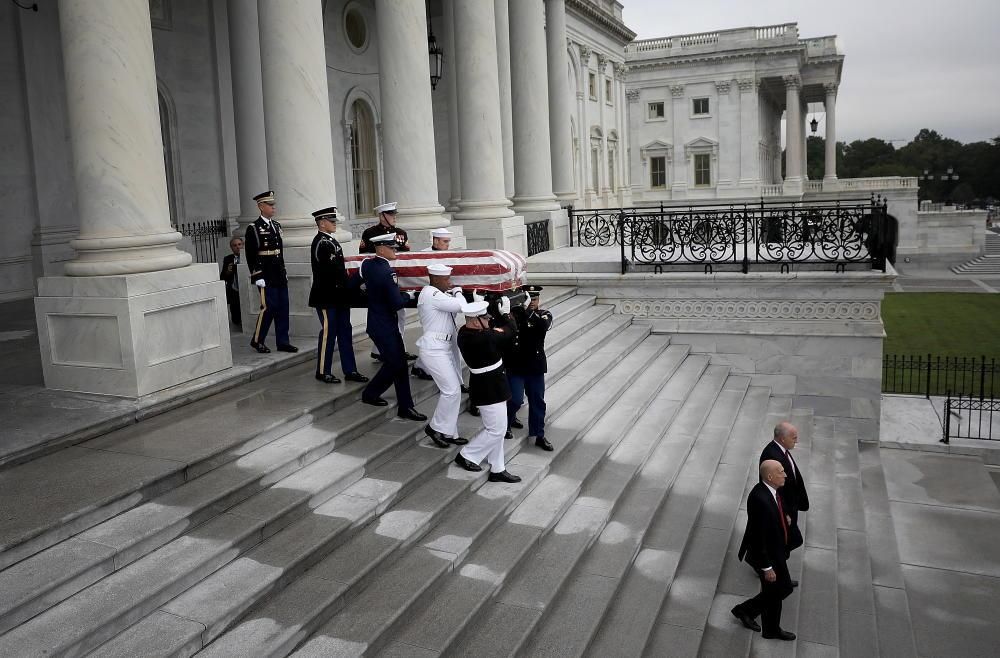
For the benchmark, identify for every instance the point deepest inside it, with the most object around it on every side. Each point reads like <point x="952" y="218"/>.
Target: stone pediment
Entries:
<point x="701" y="143"/>
<point x="656" y="145"/>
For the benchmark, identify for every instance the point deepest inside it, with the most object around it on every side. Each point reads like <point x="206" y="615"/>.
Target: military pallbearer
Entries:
<point x="526" y="366"/>
<point x="263" y="247"/>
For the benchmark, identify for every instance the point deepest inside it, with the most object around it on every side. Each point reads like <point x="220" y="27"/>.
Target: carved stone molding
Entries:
<point x="602" y="61"/>
<point x="632" y="95"/>
<point x="748" y="84"/>
<point x="830" y="88"/>
<point x="584" y="55"/>
<point x="743" y="309"/>
<point x="677" y="91"/>
<point x="620" y="69"/>
<point x="722" y="86"/>
<point x="792" y="82"/>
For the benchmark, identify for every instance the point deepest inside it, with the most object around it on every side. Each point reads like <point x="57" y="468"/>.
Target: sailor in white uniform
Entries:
<point x="437" y="305"/>
<point x="440" y="241"/>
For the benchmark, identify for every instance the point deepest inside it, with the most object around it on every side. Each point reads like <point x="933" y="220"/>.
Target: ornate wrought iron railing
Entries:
<point x="538" y="237"/>
<point x="971" y="417"/>
<point x="836" y="232"/>
<point x="205" y="236"/>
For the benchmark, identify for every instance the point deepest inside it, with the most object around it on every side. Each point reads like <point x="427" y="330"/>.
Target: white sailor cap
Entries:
<point x="386" y="207"/>
<point x="384" y="240"/>
<point x="437" y="269"/>
<point x="474" y="309"/>
<point x="441" y="233"/>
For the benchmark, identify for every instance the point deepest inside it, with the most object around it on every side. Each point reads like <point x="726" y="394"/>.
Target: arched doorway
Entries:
<point x="364" y="159"/>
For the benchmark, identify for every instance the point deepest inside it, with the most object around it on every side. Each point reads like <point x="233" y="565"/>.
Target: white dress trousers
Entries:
<point x="488" y="442"/>
<point x="439" y="355"/>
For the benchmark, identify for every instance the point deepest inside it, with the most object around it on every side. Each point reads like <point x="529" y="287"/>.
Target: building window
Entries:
<point x="607" y="92"/>
<point x="363" y="159"/>
<point x="658" y="172"/>
<point x="356" y="28"/>
<point x="654" y="110"/>
<point x="593" y="86"/>
<point x="699" y="106"/>
<point x="702" y="169"/>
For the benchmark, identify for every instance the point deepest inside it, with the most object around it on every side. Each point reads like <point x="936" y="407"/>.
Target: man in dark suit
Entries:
<point x="765" y="548"/>
<point x="267" y="271"/>
<point x="793" y="495"/>
<point x="329" y="296"/>
<point x="385" y="299"/>
<point x="229" y="274"/>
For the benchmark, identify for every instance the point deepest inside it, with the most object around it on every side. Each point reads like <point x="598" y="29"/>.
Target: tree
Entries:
<point x="815" y="157"/>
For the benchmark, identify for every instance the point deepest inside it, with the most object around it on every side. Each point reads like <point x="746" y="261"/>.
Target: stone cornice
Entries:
<point x="601" y="20"/>
<point x="732" y="55"/>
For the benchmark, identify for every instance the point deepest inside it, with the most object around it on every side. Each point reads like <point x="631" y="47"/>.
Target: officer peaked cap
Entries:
<point x="265" y="197"/>
<point x="534" y="291"/>
<point x="386" y="207"/>
<point x="326" y="213"/>
<point x="474" y="309"/>
<point x="385" y="240"/>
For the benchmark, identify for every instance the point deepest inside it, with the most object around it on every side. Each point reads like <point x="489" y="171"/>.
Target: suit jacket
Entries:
<point x="228" y="274"/>
<point x="384" y="297"/>
<point x="763" y="542"/>
<point x="330" y="284"/>
<point x="263" y="248"/>
<point x="793" y="494"/>
<point x="527" y="356"/>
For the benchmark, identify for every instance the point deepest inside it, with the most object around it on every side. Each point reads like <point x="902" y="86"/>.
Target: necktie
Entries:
<point x="781" y="513"/>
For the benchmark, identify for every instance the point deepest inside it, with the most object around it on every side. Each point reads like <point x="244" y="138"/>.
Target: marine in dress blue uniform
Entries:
<point x="527" y="365"/>
<point x="385" y="299"/>
<point x="386" y="226"/>
<point x="329" y="296"/>
<point x="263" y="246"/>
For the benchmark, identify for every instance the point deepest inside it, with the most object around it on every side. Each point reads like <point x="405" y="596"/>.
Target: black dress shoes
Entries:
<point x="260" y="347"/>
<point x="328" y="379"/>
<point x="543" y="443"/>
<point x="516" y="424"/>
<point x="288" y="348"/>
<point x="411" y="414"/>
<point x="473" y="410"/>
<point x="745" y="619"/>
<point x="420" y="373"/>
<point x="504" y="476"/>
<point x="410" y="357"/>
<point x="355" y="377"/>
<point x="376" y="402"/>
<point x="508" y="435"/>
<point x="376" y="356"/>
<point x="466" y="464"/>
<point x="457" y="440"/>
<point x="787" y="636"/>
<point x="439" y="439"/>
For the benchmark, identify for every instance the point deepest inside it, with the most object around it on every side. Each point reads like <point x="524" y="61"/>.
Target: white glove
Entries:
<point x="476" y="297"/>
<point x="504" y="305"/>
<point x="456" y="291"/>
<point x="411" y="294"/>
<point x="527" y="300"/>
<point x="259" y="283"/>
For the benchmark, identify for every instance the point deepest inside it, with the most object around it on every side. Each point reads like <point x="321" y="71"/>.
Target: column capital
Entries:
<point x="677" y="91"/>
<point x="620" y="69"/>
<point x="830" y="88"/>
<point x="748" y="84"/>
<point x="584" y="55"/>
<point x="792" y="81"/>
<point x="722" y="86"/>
<point x="632" y="95"/>
<point x="602" y="61"/>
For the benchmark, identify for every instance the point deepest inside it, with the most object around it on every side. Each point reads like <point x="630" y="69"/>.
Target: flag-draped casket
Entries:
<point x="485" y="270"/>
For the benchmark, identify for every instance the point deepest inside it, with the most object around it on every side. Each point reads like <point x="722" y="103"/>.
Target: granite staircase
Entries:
<point x="988" y="263"/>
<point x="276" y="520"/>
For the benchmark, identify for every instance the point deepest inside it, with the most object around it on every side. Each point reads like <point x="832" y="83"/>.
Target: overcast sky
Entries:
<point x="910" y="64"/>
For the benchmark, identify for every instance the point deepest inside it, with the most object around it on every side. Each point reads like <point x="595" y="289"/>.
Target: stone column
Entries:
<point x="530" y="102"/>
<point x="678" y="187"/>
<point x="248" y="107"/>
<point x="297" y="115"/>
<point x="454" y="161"/>
<point x="602" y="150"/>
<point x="407" y="114"/>
<point x="750" y="165"/>
<point x="793" y="136"/>
<point x="560" y="100"/>
<point x="501" y="14"/>
<point x="133" y="316"/>
<point x="830" y="174"/>
<point x="805" y="142"/>
<point x="484" y="209"/>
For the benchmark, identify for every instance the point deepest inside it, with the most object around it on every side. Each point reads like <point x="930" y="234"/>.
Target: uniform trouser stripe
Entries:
<point x="260" y="316"/>
<point x="324" y="334"/>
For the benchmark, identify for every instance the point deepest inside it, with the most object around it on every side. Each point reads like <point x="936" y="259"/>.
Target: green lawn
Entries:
<point x="942" y="323"/>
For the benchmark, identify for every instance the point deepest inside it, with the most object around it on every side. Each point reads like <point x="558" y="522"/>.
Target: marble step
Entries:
<point x="552" y="502"/>
<point x="353" y="567"/>
<point x="219" y="599"/>
<point x="572" y="576"/>
<point x="51" y="575"/>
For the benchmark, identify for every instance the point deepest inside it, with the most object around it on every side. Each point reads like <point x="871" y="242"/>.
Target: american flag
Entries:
<point x="493" y="270"/>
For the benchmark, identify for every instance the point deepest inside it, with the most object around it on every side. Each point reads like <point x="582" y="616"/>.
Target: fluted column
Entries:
<point x="121" y="182"/>
<point x="480" y="133"/>
<point x="751" y="169"/>
<point x="297" y="114"/>
<point x="407" y="115"/>
<point x="585" y="159"/>
<point x="248" y="106"/>
<point x="793" y="137"/>
<point x="830" y="171"/>
<point x="560" y="100"/>
<point x="602" y="150"/>
<point x="805" y="141"/>
<point x="530" y="102"/>
<point x="454" y="161"/>
<point x="501" y="14"/>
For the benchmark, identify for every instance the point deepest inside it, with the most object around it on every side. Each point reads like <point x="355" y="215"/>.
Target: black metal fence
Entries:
<point x="775" y="233"/>
<point x="205" y="236"/>
<point x="940" y="375"/>
<point x="538" y="237"/>
<point x="971" y="417"/>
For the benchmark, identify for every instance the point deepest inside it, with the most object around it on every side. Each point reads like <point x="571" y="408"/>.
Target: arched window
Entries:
<point x="166" y="135"/>
<point x="364" y="163"/>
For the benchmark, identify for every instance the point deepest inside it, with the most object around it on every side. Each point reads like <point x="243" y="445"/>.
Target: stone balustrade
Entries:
<point x="721" y="39"/>
<point x="879" y="183"/>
